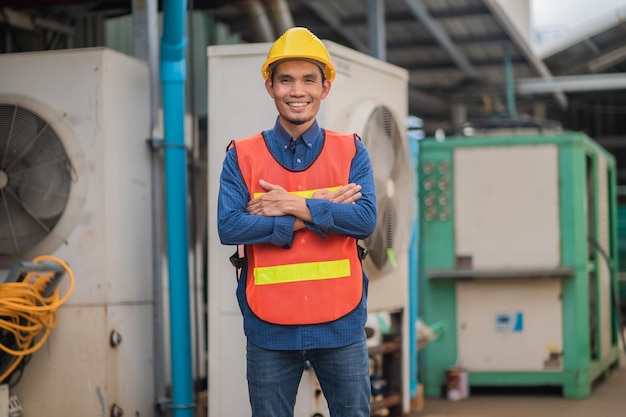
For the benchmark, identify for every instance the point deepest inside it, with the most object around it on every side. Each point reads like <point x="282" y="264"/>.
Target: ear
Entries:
<point x="268" y="87"/>
<point x="325" y="88"/>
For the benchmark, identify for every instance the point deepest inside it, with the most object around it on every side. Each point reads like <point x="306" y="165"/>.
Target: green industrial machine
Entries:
<point x="518" y="256"/>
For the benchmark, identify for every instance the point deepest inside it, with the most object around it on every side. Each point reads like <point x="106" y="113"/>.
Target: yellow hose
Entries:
<point x="27" y="315"/>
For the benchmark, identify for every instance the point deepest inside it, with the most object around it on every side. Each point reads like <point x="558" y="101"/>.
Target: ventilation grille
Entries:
<point x="35" y="179"/>
<point x="392" y="179"/>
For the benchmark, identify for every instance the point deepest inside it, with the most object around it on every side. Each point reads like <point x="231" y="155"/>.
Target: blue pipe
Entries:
<point x="173" y="74"/>
<point x="413" y="279"/>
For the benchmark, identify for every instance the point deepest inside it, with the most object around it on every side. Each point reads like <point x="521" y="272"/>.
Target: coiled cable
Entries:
<point x="27" y="314"/>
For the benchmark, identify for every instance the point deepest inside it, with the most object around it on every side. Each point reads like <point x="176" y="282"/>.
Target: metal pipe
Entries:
<point x="510" y="83"/>
<point x="195" y="234"/>
<point x="572" y="83"/>
<point x="145" y="47"/>
<point x="173" y="74"/>
<point x="280" y="15"/>
<point x="259" y="20"/>
<point x="376" y="24"/>
<point x="160" y="397"/>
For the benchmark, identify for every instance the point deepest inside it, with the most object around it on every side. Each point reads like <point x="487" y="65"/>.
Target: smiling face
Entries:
<point x="298" y="89"/>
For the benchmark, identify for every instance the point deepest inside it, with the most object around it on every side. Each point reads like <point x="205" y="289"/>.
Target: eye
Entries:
<point x="282" y="77"/>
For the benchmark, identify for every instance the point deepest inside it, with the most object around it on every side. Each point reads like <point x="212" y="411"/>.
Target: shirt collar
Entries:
<point x="312" y="134"/>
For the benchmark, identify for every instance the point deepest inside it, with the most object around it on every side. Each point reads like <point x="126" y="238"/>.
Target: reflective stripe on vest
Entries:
<point x="301" y="272"/>
<point x="318" y="279"/>
<point x="303" y="194"/>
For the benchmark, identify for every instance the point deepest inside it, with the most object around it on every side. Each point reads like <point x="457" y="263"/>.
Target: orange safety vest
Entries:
<point x="318" y="279"/>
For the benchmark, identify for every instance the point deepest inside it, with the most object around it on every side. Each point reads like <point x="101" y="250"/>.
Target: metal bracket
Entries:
<point x="161" y="144"/>
<point x="19" y="271"/>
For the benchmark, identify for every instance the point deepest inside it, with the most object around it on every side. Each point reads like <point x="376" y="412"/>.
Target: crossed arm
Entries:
<point x="273" y="217"/>
<point x="278" y="202"/>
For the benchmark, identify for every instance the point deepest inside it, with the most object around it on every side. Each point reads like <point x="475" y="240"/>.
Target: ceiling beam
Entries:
<point x="469" y="41"/>
<point x="401" y="17"/>
<point x="422" y="14"/>
<point x="433" y="65"/>
<point x="336" y="24"/>
<point x="608" y="59"/>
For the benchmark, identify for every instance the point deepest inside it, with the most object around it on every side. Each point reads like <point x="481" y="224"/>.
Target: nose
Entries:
<point x="297" y="88"/>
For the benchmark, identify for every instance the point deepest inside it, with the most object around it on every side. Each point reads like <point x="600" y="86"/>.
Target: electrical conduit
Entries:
<point x="173" y="72"/>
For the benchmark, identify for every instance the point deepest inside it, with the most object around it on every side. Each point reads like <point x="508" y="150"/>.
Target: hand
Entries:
<point x="270" y="187"/>
<point x="276" y="202"/>
<point x="346" y="194"/>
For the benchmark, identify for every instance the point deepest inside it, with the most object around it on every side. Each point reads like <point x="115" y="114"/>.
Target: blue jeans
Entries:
<point x="343" y="373"/>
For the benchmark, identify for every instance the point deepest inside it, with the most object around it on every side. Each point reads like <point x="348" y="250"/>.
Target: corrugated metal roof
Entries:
<point x="455" y="50"/>
<point x="457" y="53"/>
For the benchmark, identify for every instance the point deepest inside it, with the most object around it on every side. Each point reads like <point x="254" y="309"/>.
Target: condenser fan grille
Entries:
<point x="35" y="179"/>
<point x="392" y="178"/>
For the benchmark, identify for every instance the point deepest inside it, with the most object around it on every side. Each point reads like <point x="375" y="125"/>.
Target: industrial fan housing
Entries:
<point x="75" y="183"/>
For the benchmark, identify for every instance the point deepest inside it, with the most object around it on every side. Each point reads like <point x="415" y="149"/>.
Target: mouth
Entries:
<point x="298" y="105"/>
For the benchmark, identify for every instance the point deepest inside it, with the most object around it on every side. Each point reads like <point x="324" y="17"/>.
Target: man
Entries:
<point x="298" y="197"/>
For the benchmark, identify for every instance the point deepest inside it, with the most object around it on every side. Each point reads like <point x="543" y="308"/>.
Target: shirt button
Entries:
<point x="298" y="160"/>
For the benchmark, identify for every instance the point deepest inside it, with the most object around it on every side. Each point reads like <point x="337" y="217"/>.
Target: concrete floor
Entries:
<point x="608" y="399"/>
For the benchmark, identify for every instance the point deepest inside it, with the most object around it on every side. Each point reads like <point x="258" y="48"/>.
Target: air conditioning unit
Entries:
<point x="75" y="183"/>
<point x="368" y="97"/>
<point x="519" y="259"/>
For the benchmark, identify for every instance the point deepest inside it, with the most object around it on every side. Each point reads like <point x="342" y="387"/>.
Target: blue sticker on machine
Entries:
<point x="510" y="322"/>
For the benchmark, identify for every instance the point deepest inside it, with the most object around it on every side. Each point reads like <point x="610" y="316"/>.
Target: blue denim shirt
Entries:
<point x="357" y="220"/>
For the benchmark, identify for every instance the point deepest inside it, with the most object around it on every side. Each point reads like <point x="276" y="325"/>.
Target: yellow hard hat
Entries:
<point x="299" y="43"/>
